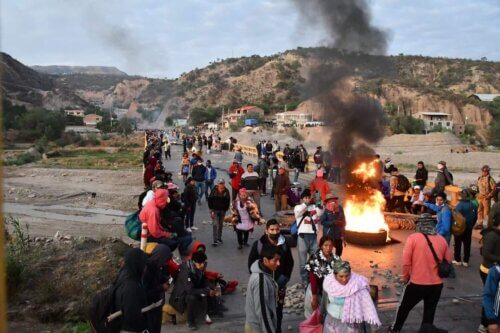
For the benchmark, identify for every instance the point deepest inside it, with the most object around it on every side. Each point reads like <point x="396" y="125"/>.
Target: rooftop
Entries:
<point x="485" y="97"/>
<point x="434" y="113"/>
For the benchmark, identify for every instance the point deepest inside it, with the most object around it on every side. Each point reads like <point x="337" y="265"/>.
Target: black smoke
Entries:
<point x="347" y="23"/>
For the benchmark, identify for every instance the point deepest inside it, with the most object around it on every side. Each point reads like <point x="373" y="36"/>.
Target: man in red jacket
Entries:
<point x="235" y="173"/>
<point x="150" y="214"/>
<point x="320" y="185"/>
<point x="420" y="272"/>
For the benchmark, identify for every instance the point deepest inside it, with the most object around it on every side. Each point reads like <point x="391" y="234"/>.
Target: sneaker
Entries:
<point x="208" y="321"/>
<point x="240" y="247"/>
<point x="220" y="241"/>
<point x="194" y="228"/>
<point x="456" y="263"/>
<point x="482" y="329"/>
<point x="465" y="264"/>
<point x="214" y="244"/>
<point x="189" y="230"/>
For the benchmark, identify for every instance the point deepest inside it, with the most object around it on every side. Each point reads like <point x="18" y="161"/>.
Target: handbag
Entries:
<point x="313" y="324"/>
<point x="444" y="267"/>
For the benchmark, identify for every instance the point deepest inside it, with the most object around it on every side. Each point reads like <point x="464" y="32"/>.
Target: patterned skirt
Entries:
<point x="333" y="325"/>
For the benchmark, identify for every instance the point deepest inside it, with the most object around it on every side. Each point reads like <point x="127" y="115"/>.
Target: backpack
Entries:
<point x="403" y="184"/>
<point x="133" y="226"/>
<point x="458" y="223"/>
<point x="100" y="307"/>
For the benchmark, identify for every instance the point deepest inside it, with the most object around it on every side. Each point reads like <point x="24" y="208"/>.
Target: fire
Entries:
<point x="364" y="210"/>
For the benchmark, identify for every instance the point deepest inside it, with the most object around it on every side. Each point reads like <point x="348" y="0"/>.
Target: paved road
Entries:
<point x="460" y="317"/>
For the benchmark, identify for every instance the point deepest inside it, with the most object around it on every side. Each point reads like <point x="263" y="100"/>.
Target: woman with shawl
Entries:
<point x="245" y="214"/>
<point x="347" y="302"/>
<point x="319" y="266"/>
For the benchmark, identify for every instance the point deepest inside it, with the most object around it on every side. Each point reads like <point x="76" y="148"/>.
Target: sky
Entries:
<point x="162" y="38"/>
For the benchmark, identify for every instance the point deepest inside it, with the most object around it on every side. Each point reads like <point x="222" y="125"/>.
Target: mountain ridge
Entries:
<point x="64" y="70"/>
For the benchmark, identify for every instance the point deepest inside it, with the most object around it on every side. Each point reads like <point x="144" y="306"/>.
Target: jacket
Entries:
<point x="190" y="281"/>
<point x="419" y="265"/>
<point x="250" y="181"/>
<point x="320" y="185"/>
<point x="491" y="247"/>
<point x="218" y="200"/>
<point x="285" y="269"/>
<point x="155" y="275"/>
<point x="189" y="196"/>
<point x="282" y="183"/>
<point x="235" y="173"/>
<point x="198" y="172"/>
<point x="151" y="214"/>
<point x="491" y="294"/>
<point x="312" y="216"/>
<point x="333" y="223"/>
<point x="263" y="169"/>
<point x="393" y="181"/>
<point x="443" y="226"/>
<point x="260" y="304"/>
<point x="486" y="186"/>
<point x="130" y="295"/>
<point x="210" y="174"/>
<point x="495" y="209"/>
<point x="469" y="211"/>
<point x="421" y="177"/>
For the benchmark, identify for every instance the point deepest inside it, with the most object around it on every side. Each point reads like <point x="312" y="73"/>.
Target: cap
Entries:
<point x="330" y="196"/>
<point x="221" y="181"/>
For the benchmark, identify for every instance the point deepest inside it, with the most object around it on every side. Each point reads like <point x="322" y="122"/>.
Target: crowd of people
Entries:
<point x="333" y="291"/>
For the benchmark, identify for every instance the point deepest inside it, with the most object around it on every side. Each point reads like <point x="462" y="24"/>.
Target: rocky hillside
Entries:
<point x="403" y="84"/>
<point x="63" y="70"/>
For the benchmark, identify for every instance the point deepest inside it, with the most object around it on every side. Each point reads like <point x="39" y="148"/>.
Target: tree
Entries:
<point x="200" y="115"/>
<point x="125" y="126"/>
<point x="407" y="125"/>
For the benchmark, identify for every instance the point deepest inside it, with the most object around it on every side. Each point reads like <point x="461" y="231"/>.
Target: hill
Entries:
<point x="62" y="70"/>
<point x="403" y="84"/>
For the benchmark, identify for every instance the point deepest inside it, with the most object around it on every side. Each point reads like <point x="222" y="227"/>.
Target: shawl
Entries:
<point x="252" y="208"/>
<point x="319" y="264"/>
<point x="358" y="305"/>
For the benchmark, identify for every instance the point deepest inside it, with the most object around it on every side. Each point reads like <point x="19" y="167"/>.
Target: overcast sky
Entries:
<point x="162" y="38"/>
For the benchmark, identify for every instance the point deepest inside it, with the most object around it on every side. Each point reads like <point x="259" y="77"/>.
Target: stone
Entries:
<point x="33" y="152"/>
<point x="455" y="301"/>
<point x="57" y="235"/>
<point x="31" y="195"/>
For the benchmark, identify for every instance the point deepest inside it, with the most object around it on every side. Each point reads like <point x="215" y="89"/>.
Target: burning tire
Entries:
<point x="366" y="238"/>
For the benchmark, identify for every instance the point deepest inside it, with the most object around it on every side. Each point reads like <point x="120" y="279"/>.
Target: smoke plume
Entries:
<point x="347" y="23"/>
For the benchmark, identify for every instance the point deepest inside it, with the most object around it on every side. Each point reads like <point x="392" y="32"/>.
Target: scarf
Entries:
<point x="320" y="265"/>
<point x="358" y="305"/>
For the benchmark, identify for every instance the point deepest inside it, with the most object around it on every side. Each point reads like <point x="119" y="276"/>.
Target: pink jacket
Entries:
<point x="150" y="214"/>
<point x="419" y="266"/>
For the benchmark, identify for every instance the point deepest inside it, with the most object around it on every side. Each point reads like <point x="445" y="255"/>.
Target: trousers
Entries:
<point x="307" y="245"/>
<point x="218" y="224"/>
<point x="412" y="295"/>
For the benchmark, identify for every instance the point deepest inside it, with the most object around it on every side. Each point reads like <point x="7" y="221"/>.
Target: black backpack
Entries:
<point x="403" y="184"/>
<point x="101" y="306"/>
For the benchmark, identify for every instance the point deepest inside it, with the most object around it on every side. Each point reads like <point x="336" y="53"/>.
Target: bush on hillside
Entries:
<point x="406" y="125"/>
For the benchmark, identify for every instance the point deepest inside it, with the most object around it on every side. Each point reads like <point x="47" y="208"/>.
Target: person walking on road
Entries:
<point x="189" y="199"/>
<point x="319" y="187"/>
<point x="198" y="173"/>
<point x="318" y="158"/>
<point x="333" y="222"/>
<point x="469" y="212"/>
<point x="273" y="238"/>
<point x="185" y="166"/>
<point x="281" y="186"/>
<point x="245" y="216"/>
<point x="251" y="182"/>
<point x="235" y="172"/>
<point x="486" y="186"/>
<point x="210" y="177"/>
<point x="238" y="155"/>
<point x="307" y="218"/>
<point x="260" y="304"/>
<point x="218" y="203"/>
<point x="263" y="174"/>
<point x="166" y="149"/>
<point x="420" y="272"/>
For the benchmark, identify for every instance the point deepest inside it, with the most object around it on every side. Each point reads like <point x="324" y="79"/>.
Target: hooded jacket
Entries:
<point x="491" y="247"/>
<point x="491" y="296"/>
<point x="155" y="275"/>
<point x="260" y="305"/>
<point x="285" y="269"/>
<point x="190" y="281"/>
<point x="150" y="214"/>
<point x="235" y="177"/>
<point x="130" y="295"/>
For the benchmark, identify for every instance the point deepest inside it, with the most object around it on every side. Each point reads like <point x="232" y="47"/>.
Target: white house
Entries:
<point x="432" y="119"/>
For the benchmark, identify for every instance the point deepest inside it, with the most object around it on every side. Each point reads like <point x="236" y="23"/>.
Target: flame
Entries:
<point x="364" y="210"/>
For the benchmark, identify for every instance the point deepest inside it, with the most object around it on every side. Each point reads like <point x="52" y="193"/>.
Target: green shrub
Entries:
<point x="24" y="158"/>
<point x="406" y="125"/>
<point x="17" y="252"/>
<point x="295" y="134"/>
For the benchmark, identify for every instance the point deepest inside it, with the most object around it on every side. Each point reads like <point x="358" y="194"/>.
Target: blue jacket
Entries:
<point x="443" y="226"/>
<point x="491" y="294"/>
<point x="212" y="175"/>
<point x="333" y="224"/>
<point x="469" y="211"/>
